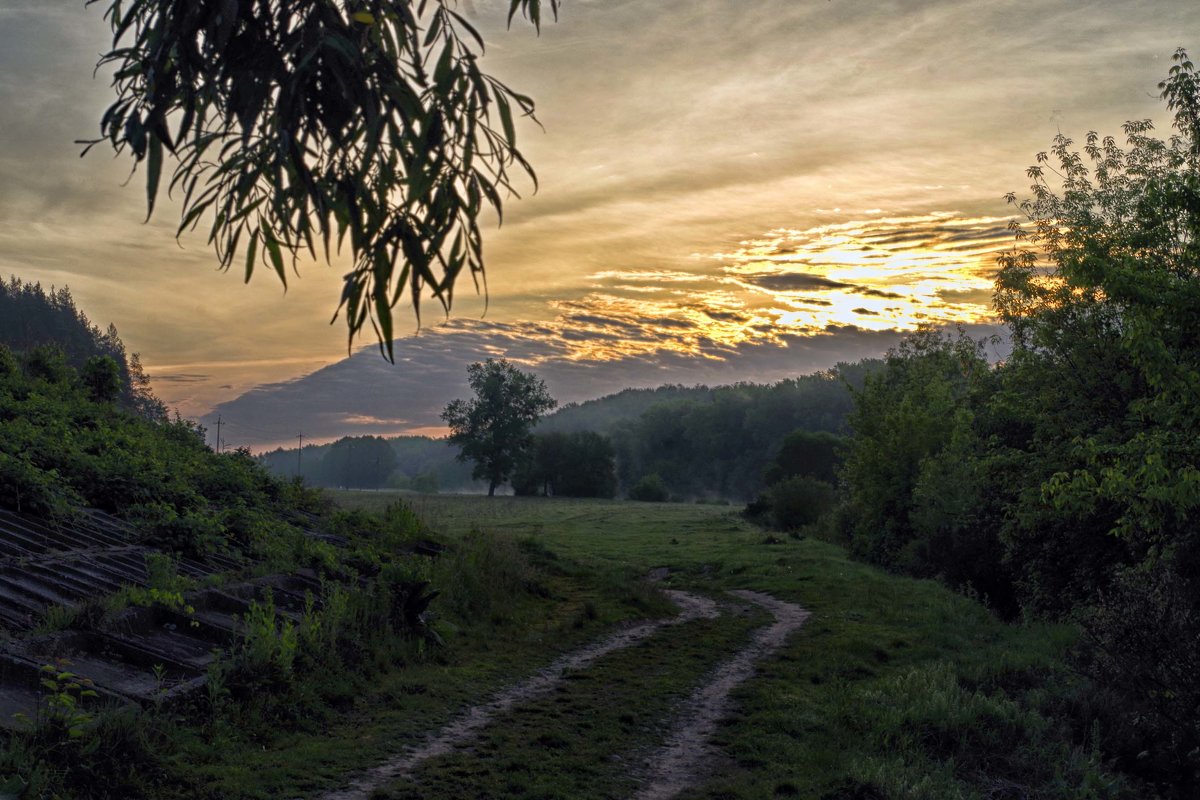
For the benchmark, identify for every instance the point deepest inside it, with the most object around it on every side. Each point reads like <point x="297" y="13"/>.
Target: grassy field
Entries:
<point x="895" y="689"/>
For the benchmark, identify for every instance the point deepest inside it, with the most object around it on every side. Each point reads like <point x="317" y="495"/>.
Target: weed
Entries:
<point x="60" y="714"/>
<point x="268" y="647"/>
<point x="57" y="618"/>
<point x="164" y="588"/>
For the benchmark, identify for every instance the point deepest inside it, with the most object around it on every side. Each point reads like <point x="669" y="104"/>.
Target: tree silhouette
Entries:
<point x="494" y="429"/>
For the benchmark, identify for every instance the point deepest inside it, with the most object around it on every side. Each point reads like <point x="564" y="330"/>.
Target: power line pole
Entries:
<point x="300" y="455"/>
<point x="218" y="433"/>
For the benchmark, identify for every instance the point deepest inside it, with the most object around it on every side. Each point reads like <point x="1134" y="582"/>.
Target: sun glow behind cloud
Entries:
<point x="882" y="274"/>
<point x="778" y="305"/>
<point x="889" y="273"/>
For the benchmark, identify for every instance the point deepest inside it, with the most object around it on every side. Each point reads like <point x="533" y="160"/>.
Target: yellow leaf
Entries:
<point x="365" y="17"/>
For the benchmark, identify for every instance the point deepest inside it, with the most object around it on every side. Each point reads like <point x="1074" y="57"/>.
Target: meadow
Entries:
<point x="894" y="688"/>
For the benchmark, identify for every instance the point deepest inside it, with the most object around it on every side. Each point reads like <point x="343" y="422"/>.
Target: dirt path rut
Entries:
<point x="678" y="763"/>
<point x="464" y="727"/>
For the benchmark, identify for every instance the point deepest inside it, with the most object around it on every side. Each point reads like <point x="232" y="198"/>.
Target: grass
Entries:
<point x="895" y="688"/>
<point x="508" y="609"/>
<point x="587" y="738"/>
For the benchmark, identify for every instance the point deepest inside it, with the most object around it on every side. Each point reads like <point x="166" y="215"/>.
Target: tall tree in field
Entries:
<point x="299" y="125"/>
<point x="495" y="428"/>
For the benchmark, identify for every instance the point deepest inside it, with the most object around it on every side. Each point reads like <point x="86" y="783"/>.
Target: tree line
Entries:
<point x="1065" y="481"/>
<point x="671" y="443"/>
<point x="721" y="444"/>
<point x="689" y="443"/>
<point x="417" y="463"/>
<point x="32" y="317"/>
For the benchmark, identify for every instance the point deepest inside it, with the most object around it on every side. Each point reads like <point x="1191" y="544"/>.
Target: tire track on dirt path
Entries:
<point x="466" y="725"/>
<point x="678" y="764"/>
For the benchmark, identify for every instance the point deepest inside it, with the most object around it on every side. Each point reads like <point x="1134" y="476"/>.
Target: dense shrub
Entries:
<point x="63" y="444"/>
<point x="798" y="501"/>
<point x="568" y="465"/>
<point x="814" y="453"/>
<point x="650" y="489"/>
<point x="1065" y="482"/>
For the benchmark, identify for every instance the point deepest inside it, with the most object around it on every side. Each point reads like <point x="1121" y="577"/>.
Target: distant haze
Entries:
<point x="366" y="395"/>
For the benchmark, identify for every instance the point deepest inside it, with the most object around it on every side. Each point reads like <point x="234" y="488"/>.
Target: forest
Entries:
<point x="661" y="435"/>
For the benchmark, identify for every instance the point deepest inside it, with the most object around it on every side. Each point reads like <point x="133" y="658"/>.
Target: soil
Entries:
<point x="689" y="748"/>
<point x="464" y="727"/>
<point x="668" y="771"/>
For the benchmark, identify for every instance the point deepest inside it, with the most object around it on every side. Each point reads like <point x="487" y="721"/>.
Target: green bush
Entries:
<point x="101" y="376"/>
<point x="482" y="578"/>
<point x="650" y="489"/>
<point x="799" y="501"/>
<point x="24" y="487"/>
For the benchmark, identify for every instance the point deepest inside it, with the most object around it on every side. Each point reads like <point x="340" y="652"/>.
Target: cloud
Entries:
<point x="363" y="394"/>
<point x="877" y="293"/>
<point x="725" y="316"/>
<point x="978" y="297"/>
<point x="795" y="282"/>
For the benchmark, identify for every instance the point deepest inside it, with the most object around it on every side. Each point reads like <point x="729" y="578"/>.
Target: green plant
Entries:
<point x="164" y="588"/>
<point x="650" y="489"/>
<point x="160" y="683"/>
<point x="61" y="716"/>
<point x="162" y="572"/>
<point x="216" y="686"/>
<point x="57" y="618"/>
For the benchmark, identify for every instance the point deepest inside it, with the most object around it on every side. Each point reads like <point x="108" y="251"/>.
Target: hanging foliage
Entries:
<point x="304" y="126"/>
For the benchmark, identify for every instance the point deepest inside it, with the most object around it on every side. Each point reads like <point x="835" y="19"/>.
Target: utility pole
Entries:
<point x="218" y="433"/>
<point x="300" y="455"/>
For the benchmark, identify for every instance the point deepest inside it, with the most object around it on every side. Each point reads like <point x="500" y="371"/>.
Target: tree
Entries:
<point x="1107" y="373"/>
<point x="812" y="453"/>
<point x="494" y="429"/>
<point x="592" y="470"/>
<point x="298" y="124"/>
<point x="361" y="462"/>
<point x="580" y="464"/>
<point x="900" y="421"/>
<point x="102" y="377"/>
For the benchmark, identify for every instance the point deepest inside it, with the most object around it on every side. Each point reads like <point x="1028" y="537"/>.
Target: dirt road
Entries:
<point x="670" y="769"/>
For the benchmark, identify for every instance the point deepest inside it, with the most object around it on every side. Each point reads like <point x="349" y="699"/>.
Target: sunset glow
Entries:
<point x="715" y="185"/>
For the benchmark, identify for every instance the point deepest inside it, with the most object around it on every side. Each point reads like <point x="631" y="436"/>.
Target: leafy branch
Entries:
<point x="303" y="126"/>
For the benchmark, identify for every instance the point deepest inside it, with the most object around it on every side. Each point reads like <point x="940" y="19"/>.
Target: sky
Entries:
<point x="729" y="190"/>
